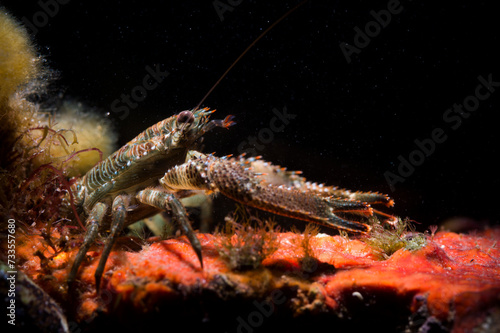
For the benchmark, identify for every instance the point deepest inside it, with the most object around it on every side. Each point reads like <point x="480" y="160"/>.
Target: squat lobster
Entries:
<point x="133" y="182"/>
<point x="127" y="181"/>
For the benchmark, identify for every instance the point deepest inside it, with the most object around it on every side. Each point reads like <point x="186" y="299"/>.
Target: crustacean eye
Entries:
<point x="185" y="117"/>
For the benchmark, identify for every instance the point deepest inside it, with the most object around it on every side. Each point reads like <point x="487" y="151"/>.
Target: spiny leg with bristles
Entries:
<point x="167" y="201"/>
<point x="157" y="198"/>
<point x="92" y="224"/>
<point x="119" y="211"/>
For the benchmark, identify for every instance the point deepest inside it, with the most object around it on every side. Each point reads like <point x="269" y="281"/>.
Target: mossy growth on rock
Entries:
<point x="246" y="240"/>
<point x="387" y="239"/>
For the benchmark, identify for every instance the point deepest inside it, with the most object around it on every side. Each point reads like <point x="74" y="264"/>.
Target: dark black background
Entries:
<point x="353" y="119"/>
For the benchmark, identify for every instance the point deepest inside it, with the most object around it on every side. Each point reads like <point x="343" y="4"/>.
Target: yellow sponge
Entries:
<point x="28" y="131"/>
<point x="82" y="129"/>
<point x="19" y="62"/>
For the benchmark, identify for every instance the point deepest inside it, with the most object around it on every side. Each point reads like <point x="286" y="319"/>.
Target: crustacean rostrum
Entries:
<point x="156" y="169"/>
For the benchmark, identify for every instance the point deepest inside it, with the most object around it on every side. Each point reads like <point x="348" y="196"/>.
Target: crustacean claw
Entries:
<point x="301" y="200"/>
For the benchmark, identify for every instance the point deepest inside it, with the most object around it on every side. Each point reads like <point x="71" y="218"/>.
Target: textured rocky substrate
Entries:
<point x="451" y="284"/>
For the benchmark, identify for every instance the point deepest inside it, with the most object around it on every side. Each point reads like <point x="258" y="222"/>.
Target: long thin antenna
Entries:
<point x="247" y="49"/>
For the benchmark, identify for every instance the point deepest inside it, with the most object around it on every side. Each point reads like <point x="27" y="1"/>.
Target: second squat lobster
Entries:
<point x="157" y="168"/>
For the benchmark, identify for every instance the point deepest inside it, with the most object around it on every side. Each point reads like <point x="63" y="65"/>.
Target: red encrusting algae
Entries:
<point x="455" y="278"/>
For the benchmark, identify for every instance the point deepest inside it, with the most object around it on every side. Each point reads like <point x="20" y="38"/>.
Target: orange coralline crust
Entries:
<point x="450" y="275"/>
